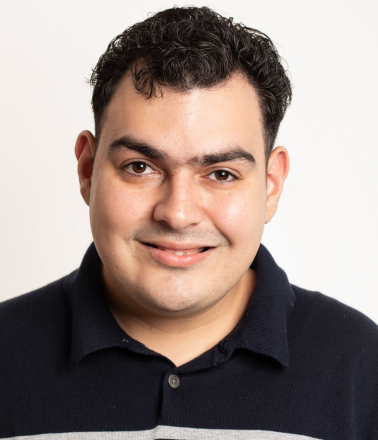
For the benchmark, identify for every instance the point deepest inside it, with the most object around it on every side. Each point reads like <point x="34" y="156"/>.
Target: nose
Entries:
<point x="179" y="205"/>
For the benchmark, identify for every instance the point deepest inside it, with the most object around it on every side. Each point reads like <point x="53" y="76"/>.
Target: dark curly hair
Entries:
<point x="190" y="47"/>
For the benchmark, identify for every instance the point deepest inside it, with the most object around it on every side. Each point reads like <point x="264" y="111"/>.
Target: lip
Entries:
<point x="173" y="260"/>
<point x="175" y="246"/>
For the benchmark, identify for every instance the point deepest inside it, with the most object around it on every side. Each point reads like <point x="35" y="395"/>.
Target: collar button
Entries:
<point x="173" y="381"/>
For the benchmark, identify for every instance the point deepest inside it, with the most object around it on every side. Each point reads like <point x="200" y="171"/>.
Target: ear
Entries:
<point x="278" y="169"/>
<point x="84" y="151"/>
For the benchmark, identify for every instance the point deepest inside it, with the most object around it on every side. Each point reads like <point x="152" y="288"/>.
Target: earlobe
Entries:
<point x="278" y="169"/>
<point x="84" y="151"/>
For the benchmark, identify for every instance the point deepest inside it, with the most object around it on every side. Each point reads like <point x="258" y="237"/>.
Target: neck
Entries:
<point x="181" y="338"/>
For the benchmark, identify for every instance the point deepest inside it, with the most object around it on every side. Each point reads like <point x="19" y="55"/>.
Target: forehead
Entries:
<point x="187" y="124"/>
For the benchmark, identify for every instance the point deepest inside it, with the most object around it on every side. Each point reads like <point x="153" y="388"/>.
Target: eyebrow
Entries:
<point x="129" y="143"/>
<point x="231" y="155"/>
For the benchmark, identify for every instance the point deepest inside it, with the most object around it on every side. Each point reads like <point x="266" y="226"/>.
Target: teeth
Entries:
<point x="184" y="253"/>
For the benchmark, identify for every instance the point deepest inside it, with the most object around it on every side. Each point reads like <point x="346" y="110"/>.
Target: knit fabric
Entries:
<point x="299" y="365"/>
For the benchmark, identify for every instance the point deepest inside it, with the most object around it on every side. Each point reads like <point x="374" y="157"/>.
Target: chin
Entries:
<point x="178" y="302"/>
<point x="174" y="305"/>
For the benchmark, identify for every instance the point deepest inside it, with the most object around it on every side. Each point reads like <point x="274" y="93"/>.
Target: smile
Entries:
<point x="175" y="256"/>
<point x="179" y="252"/>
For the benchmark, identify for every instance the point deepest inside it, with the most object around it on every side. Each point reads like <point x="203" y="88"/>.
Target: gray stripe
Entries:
<point x="170" y="432"/>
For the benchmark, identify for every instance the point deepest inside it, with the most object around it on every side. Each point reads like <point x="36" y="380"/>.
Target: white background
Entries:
<point x="325" y="233"/>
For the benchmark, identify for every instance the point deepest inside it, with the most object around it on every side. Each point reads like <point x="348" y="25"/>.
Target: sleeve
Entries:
<point x="366" y="383"/>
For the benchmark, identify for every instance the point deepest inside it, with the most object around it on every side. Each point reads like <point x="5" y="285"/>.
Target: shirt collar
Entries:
<point x="93" y="325"/>
<point x="262" y="329"/>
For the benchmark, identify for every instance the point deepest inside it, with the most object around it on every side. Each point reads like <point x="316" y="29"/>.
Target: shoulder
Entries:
<point x="33" y="317"/>
<point x="325" y="314"/>
<point x="336" y="347"/>
<point x="333" y="331"/>
<point x="39" y="301"/>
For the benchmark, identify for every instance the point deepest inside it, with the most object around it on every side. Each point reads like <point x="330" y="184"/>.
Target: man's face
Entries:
<point x="173" y="175"/>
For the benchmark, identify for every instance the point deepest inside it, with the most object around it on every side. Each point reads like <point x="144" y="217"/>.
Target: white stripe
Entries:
<point x="170" y="432"/>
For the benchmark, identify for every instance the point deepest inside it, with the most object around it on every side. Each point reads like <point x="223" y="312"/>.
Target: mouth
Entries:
<point x="180" y="252"/>
<point x="174" y="254"/>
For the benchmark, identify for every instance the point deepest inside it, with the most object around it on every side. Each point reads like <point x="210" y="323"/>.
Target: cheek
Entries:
<point x="115" y="211"/>
<point x="239" y="216"/>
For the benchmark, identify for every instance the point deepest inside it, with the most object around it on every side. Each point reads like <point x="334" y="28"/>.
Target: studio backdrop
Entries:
<point x="324" y="234"/>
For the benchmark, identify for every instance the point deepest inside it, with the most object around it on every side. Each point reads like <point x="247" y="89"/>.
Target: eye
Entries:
<point x="138" y="168"/>
<point x="222" y="175"/>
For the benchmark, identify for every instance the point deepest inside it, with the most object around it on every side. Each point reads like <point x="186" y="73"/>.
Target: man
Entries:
<point x="179" y="324"/>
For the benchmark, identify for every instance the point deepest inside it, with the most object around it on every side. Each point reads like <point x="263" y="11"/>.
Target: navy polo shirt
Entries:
<point x="299" y="365"/>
